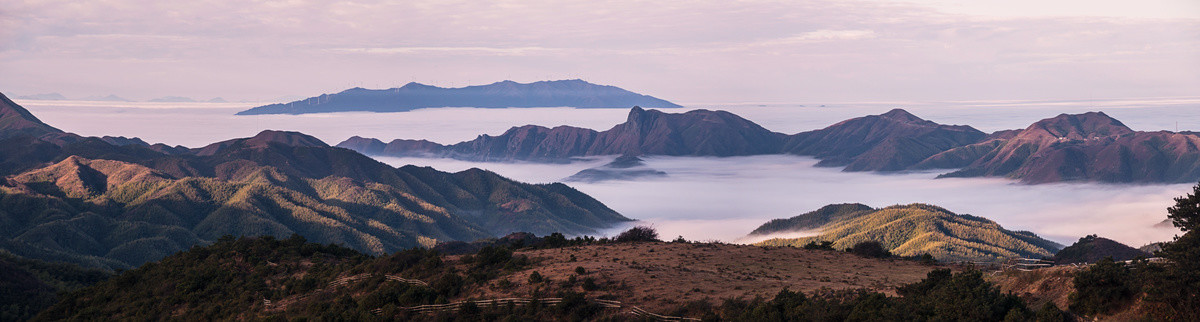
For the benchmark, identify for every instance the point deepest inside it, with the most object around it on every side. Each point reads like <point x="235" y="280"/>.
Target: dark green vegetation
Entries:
<point x="1103" y="288"/>
<point x="1168" y="290"/>
<point x="30" y="286"/>
<point x="569" y="93"/>
<point x="1175" y="288"/>
<point x="1092" y="248"/>
<point x="117" y="205"/>
<point x="1081" y="147"/>
<point x="909" y="231"/>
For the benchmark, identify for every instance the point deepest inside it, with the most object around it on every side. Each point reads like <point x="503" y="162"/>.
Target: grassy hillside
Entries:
<point x="267" y="278"/>
<point x="910" y="230"/>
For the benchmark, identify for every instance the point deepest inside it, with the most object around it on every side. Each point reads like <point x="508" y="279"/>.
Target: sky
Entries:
<point x="690" y="52"/>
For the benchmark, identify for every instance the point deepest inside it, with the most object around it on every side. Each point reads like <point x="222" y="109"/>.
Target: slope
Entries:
<point x="1082" y="147"/>
<point x="1092" y="248"/>
<point x="911" y="230"/>
<point x="118" y="214"/>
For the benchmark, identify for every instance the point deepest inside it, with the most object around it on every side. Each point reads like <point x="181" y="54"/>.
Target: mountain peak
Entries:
<point x="900" y="114"/>
<point x="288" y="138"/>
<point x="264" y="139"/>
<point x="638" y="114"/>
<point x="16" y="120"/>
<point x="1078" y="126"/>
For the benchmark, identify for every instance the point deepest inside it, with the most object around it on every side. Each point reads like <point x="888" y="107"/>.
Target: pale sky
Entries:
<point x="683" y="51"/>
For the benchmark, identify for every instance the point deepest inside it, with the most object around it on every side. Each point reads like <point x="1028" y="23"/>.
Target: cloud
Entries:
<point x="486" y="51"/>
<point x="701" y="51"/>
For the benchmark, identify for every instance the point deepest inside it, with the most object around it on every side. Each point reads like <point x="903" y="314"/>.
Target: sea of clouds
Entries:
<point x="715" y="198"/>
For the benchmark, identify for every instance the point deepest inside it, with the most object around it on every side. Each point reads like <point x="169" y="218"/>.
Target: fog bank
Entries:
<point x="726" y="198"/>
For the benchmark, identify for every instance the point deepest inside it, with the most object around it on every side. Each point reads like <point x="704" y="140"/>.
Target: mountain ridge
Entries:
<point x="1069" y="147"/>
<point x="117" y="202"/>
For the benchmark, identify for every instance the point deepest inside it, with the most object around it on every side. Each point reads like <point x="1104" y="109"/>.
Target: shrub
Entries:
<point x="870" y="249"/>
<point x="535" y="278"/>
<point x="638" y="234"/>
<point x="824" y="245"/>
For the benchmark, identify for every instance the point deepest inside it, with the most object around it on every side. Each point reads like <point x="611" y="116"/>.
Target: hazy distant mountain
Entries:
<point x="116" y="202"/>
<point x="1081" y="147"/>
<point x="46" y="96"/>
<point x="217" y="100"/>
<point x="645" y="132"/>
<point x="173" y="99"/>
<point x="892" y="141"/>
<point x="109" y="98"/>
<point x="909" y="230"/>
<point x="626" y="167"/>
<point x="567" y="93"/>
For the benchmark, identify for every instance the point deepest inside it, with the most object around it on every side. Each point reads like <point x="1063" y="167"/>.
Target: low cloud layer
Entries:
<point x="726" y="198"/>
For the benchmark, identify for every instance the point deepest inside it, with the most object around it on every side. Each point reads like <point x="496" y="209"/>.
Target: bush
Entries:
<point x="535" y="278"/>
<point x="870" y="249"/>
<point x="1103" y="288"/>
<point x="824" y="245"/>
<point x="638" y="234"/>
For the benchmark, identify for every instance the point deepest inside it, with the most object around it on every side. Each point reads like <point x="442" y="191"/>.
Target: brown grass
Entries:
<point x="659" y="276"/>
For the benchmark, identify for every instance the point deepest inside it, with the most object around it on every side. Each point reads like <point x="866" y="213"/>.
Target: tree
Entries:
<point x="638" y="234"/>
<point x="1175" y="287"/>
<point x="1186" y="212"/>
<point x="1104" y="288"/>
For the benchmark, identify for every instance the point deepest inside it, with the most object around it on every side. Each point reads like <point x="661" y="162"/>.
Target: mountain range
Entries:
<point x="561" y="93"/>
<point x="908" y="230"/>
<point x="118" y="202"/>
<point x="1068" y="147"/>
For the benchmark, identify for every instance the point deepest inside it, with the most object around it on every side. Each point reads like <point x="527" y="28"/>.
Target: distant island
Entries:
<point x="560" y="93"/>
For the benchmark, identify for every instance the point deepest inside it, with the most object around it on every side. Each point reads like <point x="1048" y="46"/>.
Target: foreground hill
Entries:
<point x="909" y="230"/>
<point x="264" y="278"/>
<point x="1092" y="248"/>
<point x="118" y="202"/>
<point x="1083" y="147"/>
<point x="562" y="93"/>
